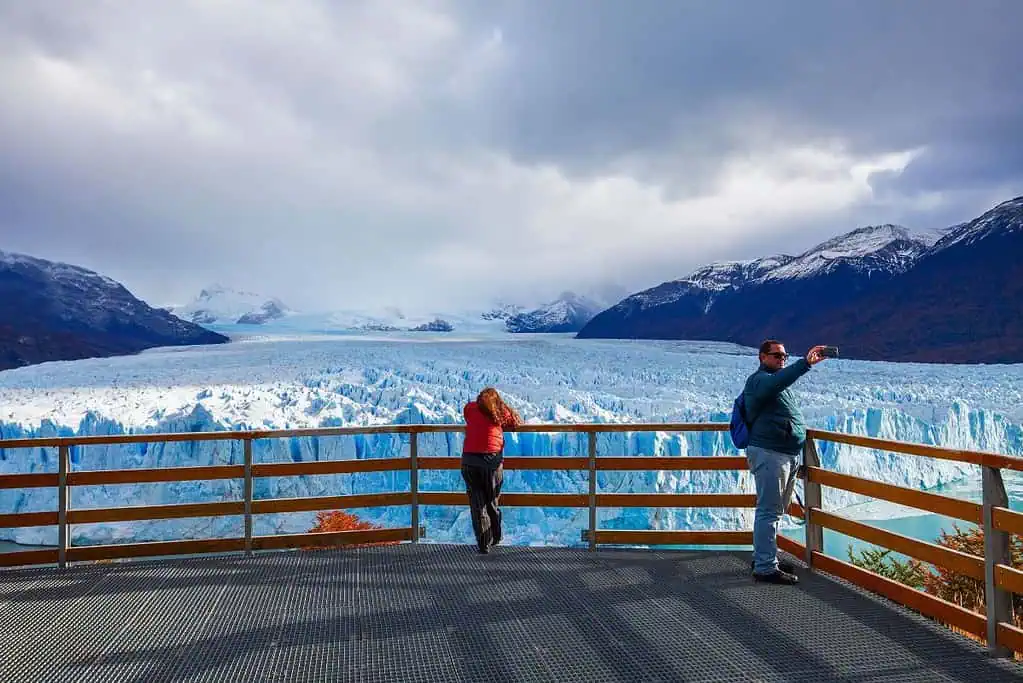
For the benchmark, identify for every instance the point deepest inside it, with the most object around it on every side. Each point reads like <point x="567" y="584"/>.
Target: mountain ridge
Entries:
<point x="50" y="310"/>
<point x="874" y="291"/>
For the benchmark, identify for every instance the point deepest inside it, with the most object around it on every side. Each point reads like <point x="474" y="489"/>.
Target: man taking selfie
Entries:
<point x="777" y="433"/>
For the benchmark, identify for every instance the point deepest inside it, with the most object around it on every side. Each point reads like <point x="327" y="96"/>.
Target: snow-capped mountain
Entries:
<point x="392" y="319"/>
<point x="885" y="249"/>
<point x="704" y="284"/>
<point x="56" y="311"/>
<point x="568" y="313"/>
<point x="502" y="311"/>
<point x="217" y="304"/>
<point x="1004" y="219"/>
<point x="868" y="291"/>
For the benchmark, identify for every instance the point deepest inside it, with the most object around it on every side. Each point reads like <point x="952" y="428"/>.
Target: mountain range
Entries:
<point x="56" y="311"/>
<point x="878" y="292"/>
<point x="220" y="306"/>
<point x="217" y="304"/>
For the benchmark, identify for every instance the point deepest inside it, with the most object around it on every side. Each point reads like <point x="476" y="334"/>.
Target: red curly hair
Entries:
<point x="493" y="406"/>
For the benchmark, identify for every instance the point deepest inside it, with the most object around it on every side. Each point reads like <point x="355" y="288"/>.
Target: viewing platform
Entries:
<point x="429" y="612"/>
<point x="417" y="611"/>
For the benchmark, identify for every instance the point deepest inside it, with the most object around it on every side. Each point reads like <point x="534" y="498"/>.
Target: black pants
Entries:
<point x="483" y="484"/>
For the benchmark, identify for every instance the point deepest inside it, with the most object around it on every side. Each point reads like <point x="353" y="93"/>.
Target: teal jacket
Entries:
<point x="777" y="424"/>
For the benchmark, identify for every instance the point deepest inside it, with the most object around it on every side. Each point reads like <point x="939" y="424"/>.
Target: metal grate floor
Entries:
<point x="444" y="613"/>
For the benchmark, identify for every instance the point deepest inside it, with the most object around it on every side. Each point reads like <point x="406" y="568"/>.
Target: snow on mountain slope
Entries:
<point x="396" y="320"/>
<point x="223" y="305"/>
<point x="888" y="248"/>
<point x="56" y="270"/>
<point x="703" y="284"/>
<point x="359" y="381"/>
<point x="568" y="313"/>
<point x="1005" y="218"/>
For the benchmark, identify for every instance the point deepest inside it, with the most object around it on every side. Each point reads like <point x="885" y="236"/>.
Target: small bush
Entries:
<point x="340" y="520"/>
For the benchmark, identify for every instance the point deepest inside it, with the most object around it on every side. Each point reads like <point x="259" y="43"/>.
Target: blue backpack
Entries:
<point x="738" y="426"/>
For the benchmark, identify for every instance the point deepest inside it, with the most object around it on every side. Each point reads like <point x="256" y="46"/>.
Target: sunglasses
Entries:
<point x="778" y="354"/>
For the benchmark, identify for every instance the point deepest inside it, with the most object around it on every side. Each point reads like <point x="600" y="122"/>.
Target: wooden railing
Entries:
<point x="998" y="522"/>
<point x="995" y="569"/>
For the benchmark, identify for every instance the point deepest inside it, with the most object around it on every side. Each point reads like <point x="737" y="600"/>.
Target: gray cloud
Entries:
<point x="445" y="153"/>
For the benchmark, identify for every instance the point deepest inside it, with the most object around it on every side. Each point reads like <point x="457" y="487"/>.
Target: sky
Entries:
<point x="432" y="154"/>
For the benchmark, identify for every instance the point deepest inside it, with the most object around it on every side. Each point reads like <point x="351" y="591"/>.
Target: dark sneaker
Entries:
<point x="783" y="565"/>
<point x="483" y="550"/>
<point x="779" y="577"/>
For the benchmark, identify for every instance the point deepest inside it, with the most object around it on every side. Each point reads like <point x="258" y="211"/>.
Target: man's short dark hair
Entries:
<point x="766" y="346"/>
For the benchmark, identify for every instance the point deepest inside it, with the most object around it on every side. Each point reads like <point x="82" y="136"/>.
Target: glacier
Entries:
<point x="353" y="379"/>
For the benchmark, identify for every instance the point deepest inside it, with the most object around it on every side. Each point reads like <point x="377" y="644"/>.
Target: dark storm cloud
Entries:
<point x="599" y="81"/>
<point x="350" y="153"/>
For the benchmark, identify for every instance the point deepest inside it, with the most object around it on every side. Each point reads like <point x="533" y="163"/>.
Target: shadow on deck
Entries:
<point x="431" y="612"/>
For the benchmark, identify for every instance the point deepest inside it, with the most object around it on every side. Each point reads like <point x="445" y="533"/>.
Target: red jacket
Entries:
<point x="482" y="435"/>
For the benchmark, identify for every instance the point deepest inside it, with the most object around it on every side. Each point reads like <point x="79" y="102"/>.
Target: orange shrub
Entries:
<point x="340" y="520"/>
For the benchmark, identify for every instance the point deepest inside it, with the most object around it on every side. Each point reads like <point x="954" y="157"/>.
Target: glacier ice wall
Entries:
<point x="290" y="384"/>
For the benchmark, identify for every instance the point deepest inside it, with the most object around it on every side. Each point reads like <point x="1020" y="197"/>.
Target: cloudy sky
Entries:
<point x="431" y="154"/>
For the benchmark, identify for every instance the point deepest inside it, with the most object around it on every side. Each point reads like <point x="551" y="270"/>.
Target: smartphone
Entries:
<point x="829" y="352"/>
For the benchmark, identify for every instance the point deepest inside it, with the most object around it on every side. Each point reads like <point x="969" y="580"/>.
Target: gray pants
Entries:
<point x="774" y="474"/>
<point x="483" y="484"/>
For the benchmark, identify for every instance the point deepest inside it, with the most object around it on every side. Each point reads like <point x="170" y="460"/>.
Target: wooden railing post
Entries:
<point x="593" y="490"/>
<point x="413" y="481"/>
<point x="996" y="551"/>
<point x="63" y="503"/>
<point x="812" y="499"/>
<point x="247" y="443"/>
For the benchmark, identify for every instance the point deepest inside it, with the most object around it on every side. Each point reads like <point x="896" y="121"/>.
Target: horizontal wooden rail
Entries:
<point x="138" y="513"/>
<point x="604" y="463"/>
<point x="436" y="462"/>
<point x="646" y="463"/>
<point x="451" y="498"/>
<point x="963" y="563"/>
<point x="159" y="437"/>
<point x="23" y="519"/>
<point x="512" y="462"/>
<point x="1010" y="636"/>
<point x="611" y="500"/>
<point x="906" y="448"/>
<point x="347" y="502"/>
<point x="216" y="545"/>
<point x="794" y="548"/>
<point x="167" y="437"/>
<point x="294" y="469"/>
<point x="676" y="500"/>
<point x="609" y="536"/>
<point x="555" y="463"/>
<point x="28" y="557"/>
<point x="160" y="474"/>
<point x="29" y="481"/>
<point x="936" y="608"/>
<point x="566" y="500"/>
<point x="1008" y="520"/>
<point x="1009" y="578"/>
<point x="932" y="502"/>
<point x="330" y="538"/>
<point x="154" y="549"/>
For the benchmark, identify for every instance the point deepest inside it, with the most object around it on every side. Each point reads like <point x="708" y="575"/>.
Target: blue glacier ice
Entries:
<point x="359" y="379"/>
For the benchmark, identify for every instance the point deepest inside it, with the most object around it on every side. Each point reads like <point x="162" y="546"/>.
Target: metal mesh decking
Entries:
<point x="443" y="613"/>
